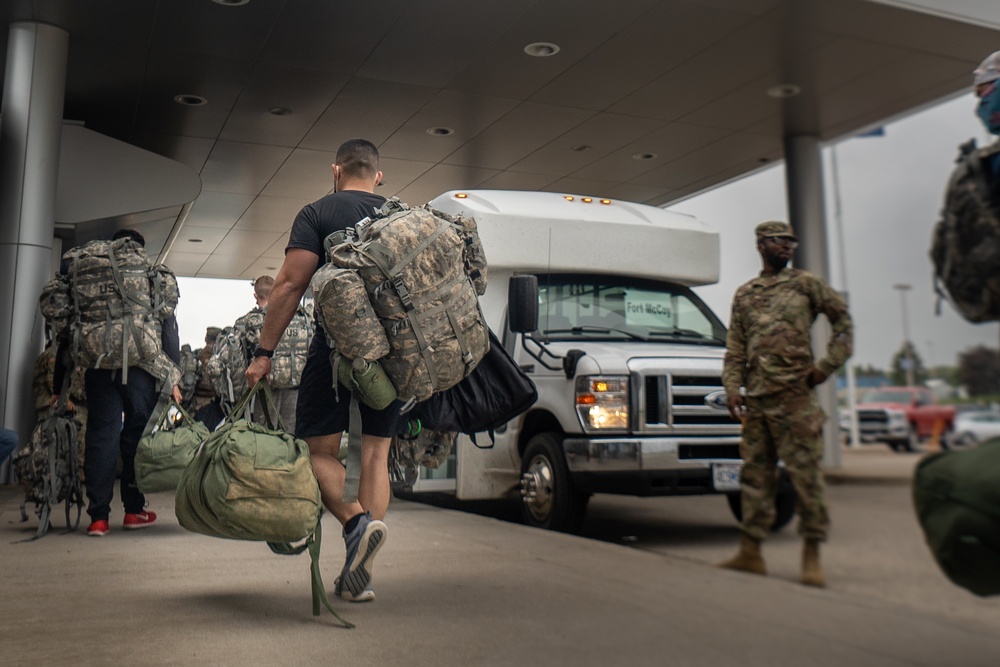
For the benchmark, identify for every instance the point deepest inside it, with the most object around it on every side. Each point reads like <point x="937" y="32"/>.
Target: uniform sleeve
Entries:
<point x="734" y="369"/>
<point x="841" y="343"/>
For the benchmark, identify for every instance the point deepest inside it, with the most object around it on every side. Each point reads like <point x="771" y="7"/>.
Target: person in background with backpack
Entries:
<point x="289" y="357"/>
<point x="323" y="411"/>
<point x="119" y="407"/>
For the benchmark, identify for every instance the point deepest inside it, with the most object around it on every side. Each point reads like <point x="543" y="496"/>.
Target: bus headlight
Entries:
<point x="602" y="402"/>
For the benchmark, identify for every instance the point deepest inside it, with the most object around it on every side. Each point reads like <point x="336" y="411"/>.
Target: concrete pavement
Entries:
<point x="453" y="589"/>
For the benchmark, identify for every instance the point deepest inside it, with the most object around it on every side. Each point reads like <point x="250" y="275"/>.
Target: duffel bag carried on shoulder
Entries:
<point x="250" y="481"/>
<point x="957" y="498"/>
<point x="165" y="452"/>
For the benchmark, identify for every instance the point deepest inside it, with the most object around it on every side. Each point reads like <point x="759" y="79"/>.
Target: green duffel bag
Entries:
<point x="957" y="497"/>
<point x="163" y="455"/>
<point x="250" y="481"/>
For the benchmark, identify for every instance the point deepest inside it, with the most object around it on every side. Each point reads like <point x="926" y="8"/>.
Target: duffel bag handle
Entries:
<point x="268" y="405"/>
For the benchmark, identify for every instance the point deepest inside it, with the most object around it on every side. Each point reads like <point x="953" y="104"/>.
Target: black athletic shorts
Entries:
<point x="318" y="410"/>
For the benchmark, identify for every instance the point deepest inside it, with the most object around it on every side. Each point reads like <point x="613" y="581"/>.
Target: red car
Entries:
<point x="900" y="416"/>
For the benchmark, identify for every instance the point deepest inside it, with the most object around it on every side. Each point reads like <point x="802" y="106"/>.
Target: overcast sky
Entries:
<point x="891" y="189"/>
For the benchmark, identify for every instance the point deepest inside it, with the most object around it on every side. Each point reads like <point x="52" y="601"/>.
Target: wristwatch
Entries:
<point x="261" y="352"/>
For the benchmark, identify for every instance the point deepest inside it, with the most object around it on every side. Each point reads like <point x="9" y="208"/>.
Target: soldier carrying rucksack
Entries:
<point x="113" y="312"/>
<point x="965" y="247"/>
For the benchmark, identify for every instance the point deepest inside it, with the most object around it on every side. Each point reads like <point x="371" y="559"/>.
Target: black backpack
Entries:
<point x="965" y="248"/>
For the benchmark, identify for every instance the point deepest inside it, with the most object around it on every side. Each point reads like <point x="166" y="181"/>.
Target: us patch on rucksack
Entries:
<point x="48" y="470"/>
<point x="965" y="247"/>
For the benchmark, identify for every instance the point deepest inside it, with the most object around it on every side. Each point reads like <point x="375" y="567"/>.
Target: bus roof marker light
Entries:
<point x="569" y="197"/>
<point x="605" y="201"/>
<point x="461" y="195"/>
<point x="587" y="200"/>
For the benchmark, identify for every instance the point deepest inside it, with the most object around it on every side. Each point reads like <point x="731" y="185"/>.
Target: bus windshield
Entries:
<point x="572" y="306"/>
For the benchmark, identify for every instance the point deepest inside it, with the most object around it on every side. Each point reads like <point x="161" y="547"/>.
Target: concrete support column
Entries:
<point x="30" y="127"/>
<point x="807" y="214"/>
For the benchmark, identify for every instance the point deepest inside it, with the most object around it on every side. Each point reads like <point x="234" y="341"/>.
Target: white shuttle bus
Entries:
<point x="627" y="360"/>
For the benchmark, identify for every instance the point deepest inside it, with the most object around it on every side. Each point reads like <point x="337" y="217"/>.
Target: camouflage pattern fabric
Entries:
<point x="428" y="448"/>
<point x="45" y="366"/>
<point x="189" y="374"/>
<point x="110" y="304"/>
<point x="965" y="247"/>
<point x="787" y="426"/>
<point x="290" y="355"/>
<point x="346" y="315"/>
<point x="768" y="347"/>
<point x="226" y="366"/>
<point x="413" y="266"/>
<point x="204" y="388"/>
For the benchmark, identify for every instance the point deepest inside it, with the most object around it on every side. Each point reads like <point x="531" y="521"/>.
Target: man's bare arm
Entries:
<point x="289" y="286"/>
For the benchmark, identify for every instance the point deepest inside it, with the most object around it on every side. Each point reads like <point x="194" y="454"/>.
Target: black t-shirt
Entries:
<point x="332" y="213"/>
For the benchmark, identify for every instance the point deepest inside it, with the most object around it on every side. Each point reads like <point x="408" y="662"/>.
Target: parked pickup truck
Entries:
<point x="900" y="416"/>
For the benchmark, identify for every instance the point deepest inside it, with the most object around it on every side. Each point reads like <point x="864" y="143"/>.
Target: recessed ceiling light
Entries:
<point x="270" y="268"/>
<point x="783" y="90"/>
<point x="644" y="156"/>
<point x="279" y="111"/>
<point x="439" y="131"/>
<point x="194" y="240"/>
<point x="231" y="3"/>
<point x="579" y="148"/>
<point x="190" y="100"/>
<point x="541" y="49"/>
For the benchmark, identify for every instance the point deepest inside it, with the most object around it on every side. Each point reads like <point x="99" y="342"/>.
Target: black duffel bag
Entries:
<point x="495" y="392"/>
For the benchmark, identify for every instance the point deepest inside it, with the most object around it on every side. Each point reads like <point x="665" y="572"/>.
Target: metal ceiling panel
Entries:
<point x="516" y="180"/>
<point x="199" y="240"/>
<point x="218" y="209"/>
<point x="245" y="243"/>
<point x="279" y="106"/>
<point x="366" y="108"/>
<point x="269" y="214"/>
<point x="466" y="115"/>
<point x="226" y="266"/>
<point x="586" y="143"/>
<point x="187" y="263"/>
<point x="304" y="174"/>
<point x="659" y="40"/>
<point x="397" y="174"/>
<point x="517" y="135"/>
<point x="242" y="168"/>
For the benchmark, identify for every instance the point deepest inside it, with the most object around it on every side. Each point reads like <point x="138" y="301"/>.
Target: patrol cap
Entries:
<point x="988" y="70"/>
<point x="773" y="228"/>
<point x="212" y="333"/>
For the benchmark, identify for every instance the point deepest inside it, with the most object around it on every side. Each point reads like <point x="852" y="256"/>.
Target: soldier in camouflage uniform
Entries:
<point x="769" y="355"/>
<point x="299" y="331"/>
<point x="204" y="392"/>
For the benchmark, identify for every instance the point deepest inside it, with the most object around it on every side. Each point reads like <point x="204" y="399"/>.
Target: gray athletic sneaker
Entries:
<point x="363" y="543"/>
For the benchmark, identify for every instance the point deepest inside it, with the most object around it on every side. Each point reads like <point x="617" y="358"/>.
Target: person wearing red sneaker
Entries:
<point x="117" y="417"/>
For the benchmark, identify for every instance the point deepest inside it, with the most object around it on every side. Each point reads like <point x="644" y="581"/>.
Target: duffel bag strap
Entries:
<point x="352" y="480"/>
<point x="313" y="544"/>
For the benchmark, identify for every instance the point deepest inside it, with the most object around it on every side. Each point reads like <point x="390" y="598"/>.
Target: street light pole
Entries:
<point x="907" y="346"/>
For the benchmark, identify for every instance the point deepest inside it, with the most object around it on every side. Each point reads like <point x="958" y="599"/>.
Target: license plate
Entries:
<point x="726" y="476"/>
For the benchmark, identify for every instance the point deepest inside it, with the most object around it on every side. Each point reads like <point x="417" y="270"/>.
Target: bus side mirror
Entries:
<point x="522" y="303"/>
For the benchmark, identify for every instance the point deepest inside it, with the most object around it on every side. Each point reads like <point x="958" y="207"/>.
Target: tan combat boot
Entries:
<point x="748" y="558"/>
<point x="812" y="572"/>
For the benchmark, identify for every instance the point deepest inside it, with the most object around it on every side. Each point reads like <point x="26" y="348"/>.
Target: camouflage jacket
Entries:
<point x="768" y="348"/>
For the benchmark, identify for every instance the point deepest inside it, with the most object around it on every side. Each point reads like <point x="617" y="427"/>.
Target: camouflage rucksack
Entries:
<point x="48" y="470"/>
<point x="290" y="356"/>
<point x="227" y="366"/>
<point x="965" y="247"/>
<point x="422" y="270"/>
<point x="110" y="304"/>
<point x="189" y="373"/>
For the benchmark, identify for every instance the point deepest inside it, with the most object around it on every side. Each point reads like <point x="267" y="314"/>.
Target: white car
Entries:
<point x="974" y="427"/>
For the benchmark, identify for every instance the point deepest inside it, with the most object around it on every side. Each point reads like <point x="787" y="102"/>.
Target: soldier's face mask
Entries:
<point x="989" y="107"/>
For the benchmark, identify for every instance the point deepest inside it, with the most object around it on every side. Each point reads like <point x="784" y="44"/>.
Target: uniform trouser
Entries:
<point x="788" y="426"/>
<point x="109" y="435"/>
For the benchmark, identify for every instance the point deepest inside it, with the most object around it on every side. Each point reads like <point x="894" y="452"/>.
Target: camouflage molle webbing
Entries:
<point x="290" y="355"/>
<point x="965" y="247"/>
<point x="346" y="315"/>
<point x="413" y="264"/>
